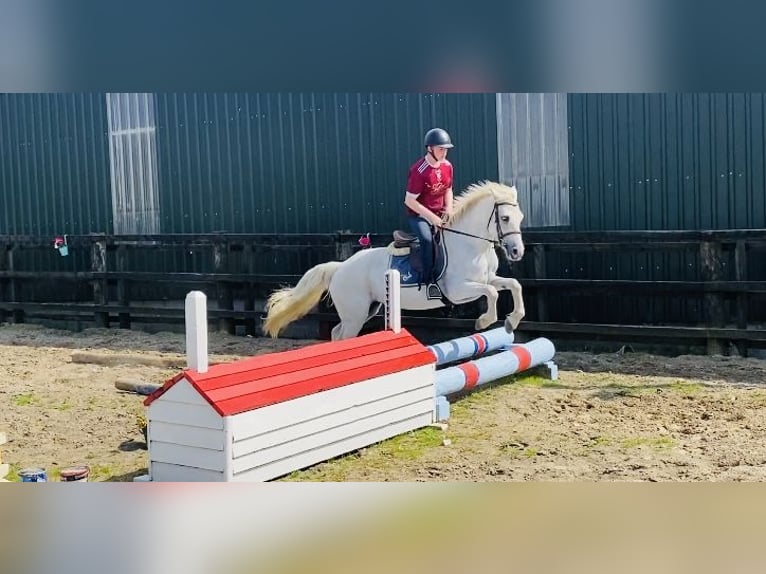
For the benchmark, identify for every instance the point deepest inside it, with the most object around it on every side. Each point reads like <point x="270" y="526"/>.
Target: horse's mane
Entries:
<point x="478" y="191"/>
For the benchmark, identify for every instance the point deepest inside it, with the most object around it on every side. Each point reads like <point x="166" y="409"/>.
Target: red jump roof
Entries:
<point x="236" y="387"/>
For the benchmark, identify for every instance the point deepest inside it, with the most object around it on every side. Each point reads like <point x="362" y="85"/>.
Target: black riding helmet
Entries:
<point x="437" y="137"/>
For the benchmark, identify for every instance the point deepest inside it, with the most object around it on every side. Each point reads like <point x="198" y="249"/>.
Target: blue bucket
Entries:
<point x="33" y="475"/>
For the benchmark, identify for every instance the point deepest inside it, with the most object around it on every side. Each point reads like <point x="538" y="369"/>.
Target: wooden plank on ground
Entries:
<point x="112" y="359"/>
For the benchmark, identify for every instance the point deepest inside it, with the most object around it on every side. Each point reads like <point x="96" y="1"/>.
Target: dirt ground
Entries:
<point x="608" y="417"/>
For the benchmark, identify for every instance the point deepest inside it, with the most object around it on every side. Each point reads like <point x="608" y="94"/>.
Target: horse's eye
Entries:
<point x="505" y="219"/>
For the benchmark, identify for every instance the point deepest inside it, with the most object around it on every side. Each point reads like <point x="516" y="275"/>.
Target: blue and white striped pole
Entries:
<point x="471" y="346"/>
<point x="470" y="374"/>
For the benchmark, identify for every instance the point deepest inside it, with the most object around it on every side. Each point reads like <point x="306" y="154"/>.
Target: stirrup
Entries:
<point x="433" y="291"/>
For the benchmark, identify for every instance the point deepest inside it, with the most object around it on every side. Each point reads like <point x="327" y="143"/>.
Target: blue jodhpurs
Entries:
<point x="422" y="229"/>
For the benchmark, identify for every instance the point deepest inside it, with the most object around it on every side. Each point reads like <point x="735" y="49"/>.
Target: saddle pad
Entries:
<point x="397" y="251"/>
<point x="402" y="264"/>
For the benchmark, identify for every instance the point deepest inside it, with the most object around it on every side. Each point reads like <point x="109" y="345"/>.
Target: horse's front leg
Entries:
<point x="473" y="290"/>
<point x="514" y="318"/>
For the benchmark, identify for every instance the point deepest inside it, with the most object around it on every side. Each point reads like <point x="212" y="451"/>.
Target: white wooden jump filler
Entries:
<point x="263" y="417"/>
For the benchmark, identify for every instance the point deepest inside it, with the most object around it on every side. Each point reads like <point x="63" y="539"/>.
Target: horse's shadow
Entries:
<point x="132" y="445"/>
<point x="128" y="476"/>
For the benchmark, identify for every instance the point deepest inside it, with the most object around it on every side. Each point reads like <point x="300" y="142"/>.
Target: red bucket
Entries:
<point x="75" y="474"/>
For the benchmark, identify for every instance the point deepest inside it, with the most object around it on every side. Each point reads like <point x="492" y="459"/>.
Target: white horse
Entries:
<point x="485" y="215"/>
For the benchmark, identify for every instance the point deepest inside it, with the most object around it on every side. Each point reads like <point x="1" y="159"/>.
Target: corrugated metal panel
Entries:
<point x="54" y="164"/>
<point x="317" y="162"/>
<point x="533" y="154"/>
<point x="667" y="161"/>
<point x="308" y="162"/>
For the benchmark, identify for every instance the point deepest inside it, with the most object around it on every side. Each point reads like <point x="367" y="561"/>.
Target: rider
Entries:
<point x="429" y="200"/>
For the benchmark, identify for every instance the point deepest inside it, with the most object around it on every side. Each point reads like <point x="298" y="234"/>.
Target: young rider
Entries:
<point x="429" y="200"/>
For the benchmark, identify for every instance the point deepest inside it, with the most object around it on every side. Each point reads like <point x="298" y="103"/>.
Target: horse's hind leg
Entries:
<point x="347" y="328"/>
<point x="353" y="313"/>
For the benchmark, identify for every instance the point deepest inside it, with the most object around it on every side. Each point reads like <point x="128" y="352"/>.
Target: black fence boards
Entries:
<point x="703" y="286"/>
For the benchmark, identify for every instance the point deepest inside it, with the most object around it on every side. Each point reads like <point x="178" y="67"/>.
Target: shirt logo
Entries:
<point x="437" y="188"/>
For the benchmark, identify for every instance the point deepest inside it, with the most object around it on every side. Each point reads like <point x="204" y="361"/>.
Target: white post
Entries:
<point x="196" y="331"/>
<point x="393" y="303"/>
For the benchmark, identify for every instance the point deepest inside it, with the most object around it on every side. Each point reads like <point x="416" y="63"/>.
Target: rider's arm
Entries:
<point x="411" y="201"/>
<point x="448" y="198"/>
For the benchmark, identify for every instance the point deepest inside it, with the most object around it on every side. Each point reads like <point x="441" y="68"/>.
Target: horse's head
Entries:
<point x="490" y="210"/>
<point x="508" y="217"/>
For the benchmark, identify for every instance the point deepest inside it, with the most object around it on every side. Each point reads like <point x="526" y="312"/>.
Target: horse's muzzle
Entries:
<point x="515" y="251"/>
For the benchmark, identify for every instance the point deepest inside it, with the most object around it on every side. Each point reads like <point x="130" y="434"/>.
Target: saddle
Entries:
<point x="404" y="239"/>
<point x="405" y="251"/>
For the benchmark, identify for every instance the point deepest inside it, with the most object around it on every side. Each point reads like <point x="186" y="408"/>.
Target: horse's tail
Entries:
<point x="291" y="303"/>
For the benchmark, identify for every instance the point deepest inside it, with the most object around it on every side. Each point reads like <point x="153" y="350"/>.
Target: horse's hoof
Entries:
<point x="508" y="324"/>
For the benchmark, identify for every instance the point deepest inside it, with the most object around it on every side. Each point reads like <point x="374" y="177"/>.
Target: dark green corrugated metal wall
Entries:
<point x="667" y="161"/>
<point x="321" y="162"/>
<point x="309" y="162"/>
<point x="54" y="164"/>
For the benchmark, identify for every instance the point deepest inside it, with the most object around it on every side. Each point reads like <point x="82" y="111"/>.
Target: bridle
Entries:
<point x="500" y="235"/>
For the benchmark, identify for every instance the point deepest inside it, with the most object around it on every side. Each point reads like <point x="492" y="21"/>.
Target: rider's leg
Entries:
<point x="422" y="229"/>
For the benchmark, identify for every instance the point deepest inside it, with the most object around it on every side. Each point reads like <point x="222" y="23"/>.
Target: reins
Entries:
<point x="493" y="241"/>
<point x="500" y="234"/>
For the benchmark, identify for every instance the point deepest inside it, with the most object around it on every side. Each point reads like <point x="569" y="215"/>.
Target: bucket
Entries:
<point x="33" y="475"/>
<point x="75" y="474"/>
<point x="61" y="245"/>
